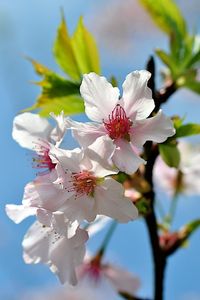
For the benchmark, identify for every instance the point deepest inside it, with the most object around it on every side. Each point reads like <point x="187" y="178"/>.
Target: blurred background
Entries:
<point x="126" y="37"/>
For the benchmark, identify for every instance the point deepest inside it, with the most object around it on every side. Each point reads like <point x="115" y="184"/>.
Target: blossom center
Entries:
<point x="118" y="124"/>
<point x="42" y="160"/>
<point x="84" y="183"/>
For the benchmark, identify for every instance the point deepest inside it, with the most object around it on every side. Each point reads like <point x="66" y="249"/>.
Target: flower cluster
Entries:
<point x="77" y="186"/>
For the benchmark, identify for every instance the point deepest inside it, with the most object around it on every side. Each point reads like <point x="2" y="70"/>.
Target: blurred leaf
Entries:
<point x="177" y="121"/>
<point x="39" y="68"/>
<point x="64" y="54"/>
<point x="187" y="130"/>
<point x="85" y="49"/>
<point x="167" y="60"/>
<point x="190" y="227"/>
<point x="193" y="86"/>
<point x="170" y="154"/>
<point x="69" y="104"/>
<point x="57" y="93"/>
<point x="78" y="54"/>
<point x="143" y="206"/>
<point x="166" y="15"/>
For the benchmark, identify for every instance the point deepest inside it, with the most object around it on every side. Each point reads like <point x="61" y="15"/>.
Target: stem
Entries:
<point x="172" y="210"/>
<point x="150" y="153"/>
<point x="107" y="238"/>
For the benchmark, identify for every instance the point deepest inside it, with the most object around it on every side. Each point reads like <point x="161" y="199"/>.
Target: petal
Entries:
<point x="156" y="129"/>
<point x="164" y="177"/>
<point x="125" y="158"/>
<point x="137" y="97"/>
<point x="110" y="201"/>
<point x="68" y="254"/>
<point x="18" y="213"/>
<point x="85" y="133"/>
<point x="42" y="244"/>
<point x="28" y="128"/>
<point x="59" y="131"/>
<point x="43" y="193"/>
<point x="36" y="243"/>
<point x="69" y="159"/>
<point x="62" y="225"/>
<point x="100" y="154"/>
<point x="80" y="208"/>
<point x="122" y="280"/>
<point x="99" y="95"/>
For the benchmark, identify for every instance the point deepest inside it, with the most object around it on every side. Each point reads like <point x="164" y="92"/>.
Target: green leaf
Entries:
<point x="78" y="54"/>
<point x="166" y="15"/>
<point x="57" y="93"/>
<point x="170" y="154"/>
<point x="193" y="86"/>
<point x="64" y="53"/>
<point x="69" y="104"/>
<point x="190" y="227"/>
<point x="187" y="130"/>
<point x="85" y="49"/>
<point x="167" y="60"/>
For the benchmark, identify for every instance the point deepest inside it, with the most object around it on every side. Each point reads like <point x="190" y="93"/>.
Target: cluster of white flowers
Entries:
<point x="77" y="186"/>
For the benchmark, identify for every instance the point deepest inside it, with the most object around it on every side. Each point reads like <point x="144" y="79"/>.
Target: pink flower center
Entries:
<point x="93" y="269"/>
<point x="42" y="160"/>
<point x="84" y="183"/>
<point x="118" y="125"/>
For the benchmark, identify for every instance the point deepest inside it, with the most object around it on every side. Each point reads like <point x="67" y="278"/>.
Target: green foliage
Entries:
<point x="170" y="154"/>
<point x="187" y="130"/>
<point x="183" y="57"/>
<point x="76" y="55"/>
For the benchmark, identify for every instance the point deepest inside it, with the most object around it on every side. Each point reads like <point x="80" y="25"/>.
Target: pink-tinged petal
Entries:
<point x="67" y="254"/>
<point x="156" y="129"/>
<point x="164" y="177"/>
<point x="80" y="208"/>
<point x="42" y="244"/>
<point x="69" y="160"/>
<point x="110" y="201"/>
<point x="44" y="216"/>
<point x="121" y="279"/>
<point x="28" y="128"/>
<point x="57" y="134"/>
<point x="99" y="95"/>
<point x="85" y="133"/>
<point x="137" y="97"/>
<point x="62" y="225"/>
<point x="43" y="193"/>
<point x="36" y="244"/>
<point x="125" y="157"/>
<point x="18" y="213"/>
<point x="100" y="154"/>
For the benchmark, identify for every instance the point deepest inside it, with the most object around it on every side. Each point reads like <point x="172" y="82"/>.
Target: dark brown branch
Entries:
<point x="129" y="297"/>
<point x="150" y="154"/>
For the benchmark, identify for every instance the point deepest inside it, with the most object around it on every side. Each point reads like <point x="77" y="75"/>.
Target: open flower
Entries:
<point x="35" y="133"/>
<point x="76" y="187"/>
<point x="96" y="281"/>
<point x="123" y="120"/>
<point x="83" y="178"/>
<point x="60" y="246"/>
<point x="185" y="179"/>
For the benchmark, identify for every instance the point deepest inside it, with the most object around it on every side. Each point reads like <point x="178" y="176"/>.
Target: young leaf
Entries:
<point x="85" y="49"/>
<point x="166" y="15"/>
<point x="69" y="104"/>
<point x="64" y="53"/>
<point x="170" y="154"/>
<point x="187" y="130"/>
<point x="78" y="54"/>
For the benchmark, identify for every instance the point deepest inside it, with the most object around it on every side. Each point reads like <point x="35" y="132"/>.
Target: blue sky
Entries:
<point x="28" y="28"/>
